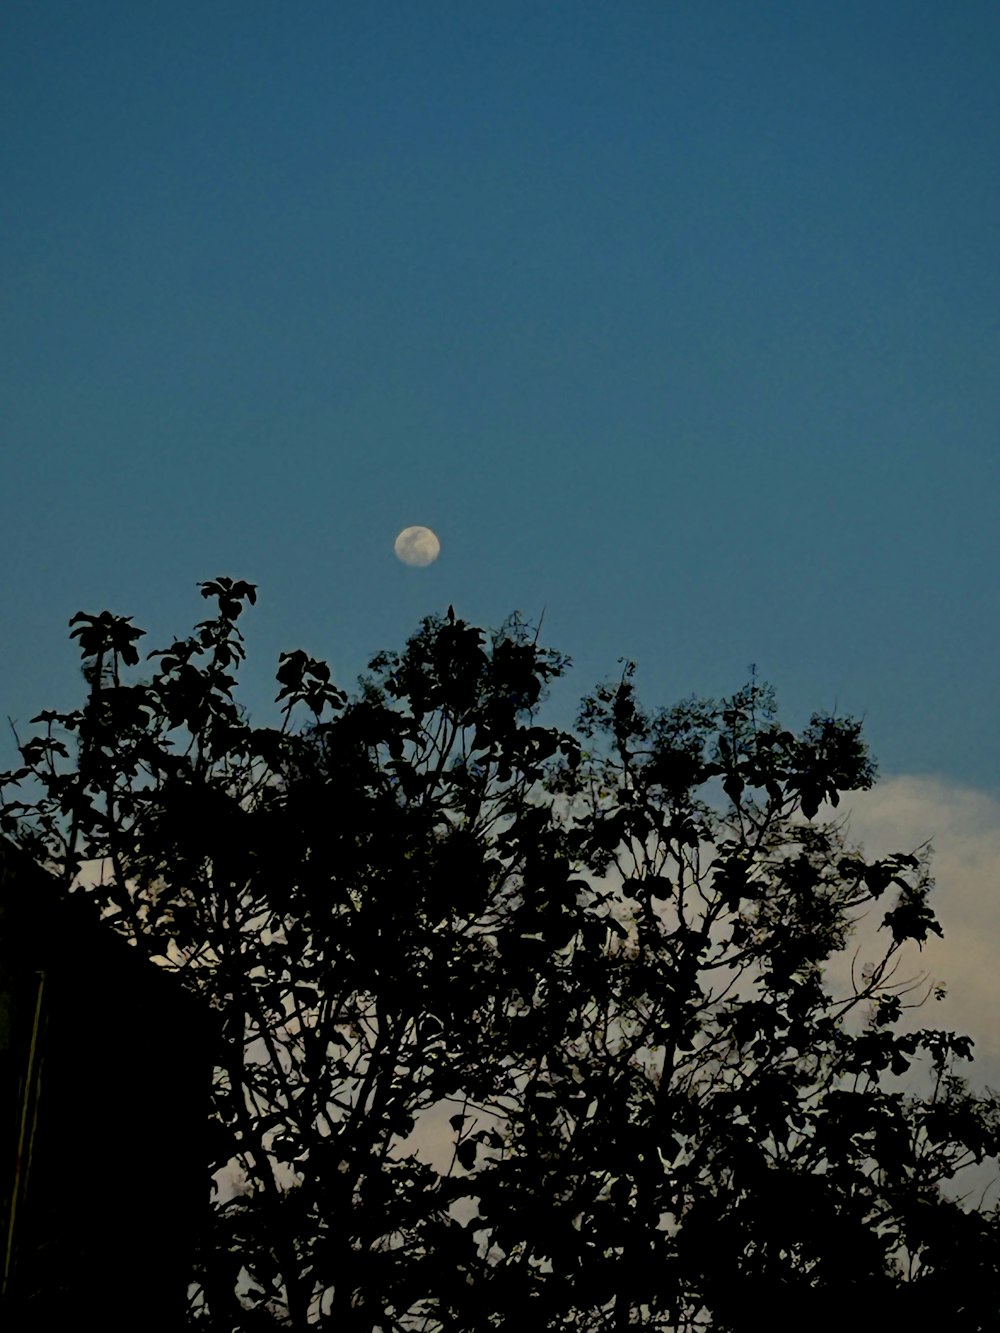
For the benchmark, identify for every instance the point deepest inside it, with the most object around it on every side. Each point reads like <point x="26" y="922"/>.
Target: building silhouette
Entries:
<point x="105" y="1067"/>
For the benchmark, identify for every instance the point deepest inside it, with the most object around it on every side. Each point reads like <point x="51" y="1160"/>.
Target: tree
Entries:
<point x="600" y="958"/>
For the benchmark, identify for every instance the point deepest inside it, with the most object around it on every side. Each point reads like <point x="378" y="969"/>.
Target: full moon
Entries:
<point x="417" y="546"/>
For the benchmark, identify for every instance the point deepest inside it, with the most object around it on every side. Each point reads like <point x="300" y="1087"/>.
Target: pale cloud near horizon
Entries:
<point x="962" y="825"/>
<point x="902" y="814"/>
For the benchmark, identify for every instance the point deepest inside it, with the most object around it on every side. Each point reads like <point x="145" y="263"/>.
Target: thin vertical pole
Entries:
<point x="26" y="1136"/>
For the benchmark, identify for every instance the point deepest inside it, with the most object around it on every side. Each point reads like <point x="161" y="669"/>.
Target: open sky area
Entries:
<point x="678" y="320"/>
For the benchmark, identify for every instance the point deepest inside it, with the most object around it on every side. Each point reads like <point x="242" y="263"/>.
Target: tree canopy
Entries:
<point x="515" y="1022"/>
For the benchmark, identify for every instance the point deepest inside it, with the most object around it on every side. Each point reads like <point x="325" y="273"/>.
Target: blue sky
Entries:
<point x="679" y="320"/>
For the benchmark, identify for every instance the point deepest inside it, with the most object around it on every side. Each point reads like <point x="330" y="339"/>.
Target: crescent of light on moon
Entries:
<point x="417" y="546"/>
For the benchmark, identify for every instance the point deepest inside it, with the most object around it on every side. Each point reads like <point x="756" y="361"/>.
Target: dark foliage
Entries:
<point x="519" y="1025"/>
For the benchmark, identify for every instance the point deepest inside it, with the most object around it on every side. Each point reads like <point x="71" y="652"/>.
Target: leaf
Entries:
<point x="466" y="1154"/>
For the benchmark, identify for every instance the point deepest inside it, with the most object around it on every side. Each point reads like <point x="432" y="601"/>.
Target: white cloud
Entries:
<point x="962" y="825"/>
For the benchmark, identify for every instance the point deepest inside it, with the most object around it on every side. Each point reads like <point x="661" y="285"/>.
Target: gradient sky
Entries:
<point x="679" y="320"/>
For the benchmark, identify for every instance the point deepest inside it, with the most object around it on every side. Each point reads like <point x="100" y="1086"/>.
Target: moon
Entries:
<point x="417" y="546"/>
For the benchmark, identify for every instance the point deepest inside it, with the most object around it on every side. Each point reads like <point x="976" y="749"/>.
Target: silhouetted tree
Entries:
<point x="599" y="959"/>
